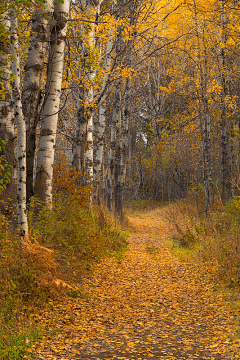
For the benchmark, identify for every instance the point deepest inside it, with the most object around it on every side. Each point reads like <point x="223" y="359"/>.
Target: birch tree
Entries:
<point x="41" y="24"/>
<point x="83" y="145"/>
<point x="6" y="108"/>
<point x="102" y="109"/>
<point x="21" y="131"/>
<point x="44" y="172"/>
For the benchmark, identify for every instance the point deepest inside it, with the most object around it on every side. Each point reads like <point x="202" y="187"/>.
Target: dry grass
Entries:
<point x="138" y="207"/>
<point x="214" y="238"/>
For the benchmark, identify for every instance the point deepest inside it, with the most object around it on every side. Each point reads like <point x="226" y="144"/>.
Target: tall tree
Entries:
<point x="6" y="108"/>
<point x="44" y="172"/>
<point x="21" y="131"/>
<point x="31" y="94"/>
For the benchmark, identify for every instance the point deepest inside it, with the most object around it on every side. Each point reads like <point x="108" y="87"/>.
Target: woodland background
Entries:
<point x="145" y="96"/>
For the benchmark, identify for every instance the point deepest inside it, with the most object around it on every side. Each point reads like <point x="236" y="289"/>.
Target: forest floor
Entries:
<point x="147" y="305"/>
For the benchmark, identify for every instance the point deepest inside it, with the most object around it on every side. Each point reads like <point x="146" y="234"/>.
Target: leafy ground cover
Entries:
<point x="147" y="305"/>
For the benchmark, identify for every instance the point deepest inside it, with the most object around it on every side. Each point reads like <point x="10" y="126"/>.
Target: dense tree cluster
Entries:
<point x="141" y="96"/>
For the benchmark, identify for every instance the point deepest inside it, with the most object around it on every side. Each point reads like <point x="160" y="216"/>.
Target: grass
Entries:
<point x="212" y="238"/>
<point x="138" y="207"/>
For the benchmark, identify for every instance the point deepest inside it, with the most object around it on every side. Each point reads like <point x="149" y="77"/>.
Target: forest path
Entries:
<point x="148" y="306"/>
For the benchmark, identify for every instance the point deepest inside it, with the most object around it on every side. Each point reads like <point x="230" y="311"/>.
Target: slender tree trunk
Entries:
<point x="89" y="98"/>
<point x="6" y="106"/>
<point x="21" y="133"/>
<point x="204" y="116"/>
<point x="100" y="144"/>
<point x="44" y="173"/>
<point x="102" y="110"/>
<point x="111" y="172"/>
<point x="89" y="151"/>
<point x="125" y="137"/>
<point x="119" y="162"/>
<point x="41" y="23"/>
<point x="83" y="145"/>
<point x="79" y="145"/>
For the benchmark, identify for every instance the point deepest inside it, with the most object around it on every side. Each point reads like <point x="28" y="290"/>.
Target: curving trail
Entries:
<point x="149" y="306"/>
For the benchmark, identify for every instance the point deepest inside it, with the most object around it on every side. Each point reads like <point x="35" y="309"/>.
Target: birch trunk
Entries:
<point x="111" y="172"/>
<point x="6" y="107"/>
<point x="82" y="149"/>
<point x="102" y="110"/>
<point x="44" y="172"/>
<point x="21" y="133"/>
<point x="40" y="30"/>
<point x="119" y="163"/>
<point x="89" y="151"/>
<point x="125" y="138"/>
<point x="93" y="6"/>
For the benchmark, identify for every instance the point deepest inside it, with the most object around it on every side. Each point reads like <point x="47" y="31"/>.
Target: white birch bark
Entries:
<point x="95" y="7"/>
<point x="82" y="150"/>
<point x="41" y="24"/>
<point x="44" y="173"/>
<point x="6" y="107"/>
<point x="21" y="132"/>
<point x="102" y="110"/>
<point x="89" y="151"/>
<point x="79" y="142"/>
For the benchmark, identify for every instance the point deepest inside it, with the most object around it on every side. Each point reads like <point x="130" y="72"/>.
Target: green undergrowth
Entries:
<point x="16" y="345"/>
<point x="213" y="239"/>
<point x="65" y="243"/>
<point x="78" y="236"/>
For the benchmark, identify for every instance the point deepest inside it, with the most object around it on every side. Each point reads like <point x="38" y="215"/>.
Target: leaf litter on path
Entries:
<point x="149" y="306"/>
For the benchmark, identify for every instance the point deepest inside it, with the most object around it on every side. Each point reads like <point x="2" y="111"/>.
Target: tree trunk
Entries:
<point x="119" y="162"/>
<point x="125" y="137"/>
<point x="21" y="133"/>
<point x="111" y="171"/>
<point x="204" y="116"/>
<point x="226" y="173"/>
<point x="79" y="145"/>
<point x="6" y="107"/>
<point x="83" y="145"/>
<point x="102" y="110"/>
<point x="44" y="172"/>
<point x="89" y="151"/>
<point x="41" y="23"/>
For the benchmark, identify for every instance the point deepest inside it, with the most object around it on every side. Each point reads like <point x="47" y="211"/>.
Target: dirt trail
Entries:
<point x="148" y="306"/>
